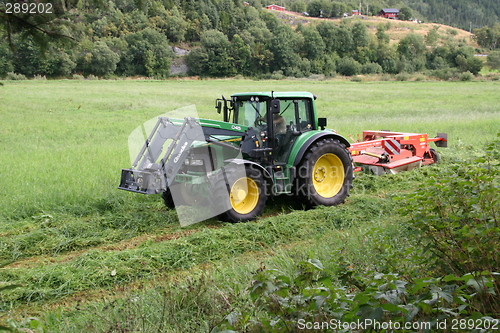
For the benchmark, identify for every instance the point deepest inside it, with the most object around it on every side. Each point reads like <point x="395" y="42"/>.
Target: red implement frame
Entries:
<point x="392" y="152"/>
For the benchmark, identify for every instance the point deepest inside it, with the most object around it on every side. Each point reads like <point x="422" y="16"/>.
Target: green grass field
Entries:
<point x="73" y="237"/>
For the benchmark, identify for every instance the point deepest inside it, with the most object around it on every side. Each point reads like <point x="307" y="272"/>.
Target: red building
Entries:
<point x="390" y="13"/>
<point x="276" y="7"/>
<point x="355" y="12"/>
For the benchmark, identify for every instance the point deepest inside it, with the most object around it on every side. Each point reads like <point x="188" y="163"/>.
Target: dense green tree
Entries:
<point x="6" y="57"/>
<point x="104" y="60"/>
<point x="176" y="26"/>
<point x="488" y="37"/>
<point x="328" y="31"/>
<point x="27" y="58"/>
<point x="148" y="54"/>
<point x="360" y="36"/>
<point x="338" y="9"/>
<point x="493" y="60"/>
<point x="313" y="44"/>
<point x="382" y="36"/>
<point x="319" y="8"/>
<point x="298" y="6"/>
<point x="59" y="63"/>
<point x="411" y="46"/>
<point x="348" y="66"/>
<point x="469" y="64"/>
<point x="197" y="62"/>
<point x="217" y="46"/>
<point x="282" y="46"/>
<point x="432" y="36"/>
<point x="343" y="41"/>
<point x="405" y="13"/>
<point x="242" y="55"/>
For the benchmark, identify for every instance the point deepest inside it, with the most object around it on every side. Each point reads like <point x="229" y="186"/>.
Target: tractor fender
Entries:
<point x="265" y="173"/>
<point x="304" y="146"/>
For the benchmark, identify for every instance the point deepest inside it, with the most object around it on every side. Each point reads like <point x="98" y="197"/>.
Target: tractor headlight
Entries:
<point x="193" y="162"/>
<point x="197" y="162"/>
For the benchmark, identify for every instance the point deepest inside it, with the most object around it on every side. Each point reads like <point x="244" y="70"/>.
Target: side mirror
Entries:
<point x="322" y="123"/>
<point x="218" y="106"/>
<point x="275" y="106"/>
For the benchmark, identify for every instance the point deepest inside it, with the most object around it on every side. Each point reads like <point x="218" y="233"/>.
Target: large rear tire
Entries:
<point x="246" y="194"/>
<point x="325" y="174"/>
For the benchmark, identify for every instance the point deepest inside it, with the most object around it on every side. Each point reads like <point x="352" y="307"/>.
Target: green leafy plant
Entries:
<point x="313" y="298"/>
<point x="457" y="213"/>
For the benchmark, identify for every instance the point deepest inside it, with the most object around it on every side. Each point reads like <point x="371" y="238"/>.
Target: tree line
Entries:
<point x="226" y="38"/>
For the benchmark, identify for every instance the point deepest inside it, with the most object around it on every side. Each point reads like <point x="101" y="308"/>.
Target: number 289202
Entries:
<point x="27" y="8"/>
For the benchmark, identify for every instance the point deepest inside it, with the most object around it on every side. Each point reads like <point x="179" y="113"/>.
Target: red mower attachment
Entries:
<point x="391" y="152"/>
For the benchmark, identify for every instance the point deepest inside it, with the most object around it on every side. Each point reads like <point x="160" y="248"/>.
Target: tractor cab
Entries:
<point x="278" y="118"/>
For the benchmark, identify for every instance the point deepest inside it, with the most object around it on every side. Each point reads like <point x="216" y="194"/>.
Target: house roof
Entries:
<point x="390" y="10"/>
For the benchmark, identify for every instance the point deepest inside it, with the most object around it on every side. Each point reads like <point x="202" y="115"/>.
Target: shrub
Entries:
<point x="466" y="76"/>
<point x="277" y="75"/>
<point x="14" y="76"/>
<point x="457" y="213"/>
<point x="445" y="74"/>
<point x="403" y="76"/>
<point x="348" y="67"/>
<point x="371" y="68"/>
<point x="310" y="300"/>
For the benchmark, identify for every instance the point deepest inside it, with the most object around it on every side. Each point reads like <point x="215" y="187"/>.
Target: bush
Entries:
<point x="467" y="76"/>
<point x="310" y="300"/>
<point x="14" y="76"/>
<point x="348" y="67"/>
<point x="403" y="76"/>
<point x="457" y="213"/>
<point x="371" y="68"/>
<point x="493" y="60"/>
<point x="277" y="75"/>
<point x="445" y="74"/>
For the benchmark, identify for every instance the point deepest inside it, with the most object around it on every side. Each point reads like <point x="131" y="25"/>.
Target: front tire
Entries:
<point x="325" y="174"/>
<point x="246" y="194"/>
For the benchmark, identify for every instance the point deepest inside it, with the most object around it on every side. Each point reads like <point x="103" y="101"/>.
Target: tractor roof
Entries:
<point x="277" y="94"/>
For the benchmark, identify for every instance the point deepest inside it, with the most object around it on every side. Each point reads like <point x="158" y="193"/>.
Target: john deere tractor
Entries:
<point x="268" y="144"/>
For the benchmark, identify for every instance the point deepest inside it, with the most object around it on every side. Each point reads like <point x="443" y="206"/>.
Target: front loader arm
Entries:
<point x="150" y="174"/>
<point x="153" y="172"/>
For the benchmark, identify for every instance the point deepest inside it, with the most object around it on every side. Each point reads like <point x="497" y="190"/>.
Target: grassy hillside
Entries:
<point x="396" y="29"/>
<point x="74" y="240"/>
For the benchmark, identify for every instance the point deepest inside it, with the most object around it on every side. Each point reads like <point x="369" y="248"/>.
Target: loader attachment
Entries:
<point x="182" y="157"/>
<point x="152" y="172"/>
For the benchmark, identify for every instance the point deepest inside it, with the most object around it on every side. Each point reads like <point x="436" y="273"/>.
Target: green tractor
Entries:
<point x="268" y="144"/>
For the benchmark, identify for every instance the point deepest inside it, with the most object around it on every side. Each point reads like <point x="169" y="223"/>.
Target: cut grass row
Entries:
<point x="47" y="280"/>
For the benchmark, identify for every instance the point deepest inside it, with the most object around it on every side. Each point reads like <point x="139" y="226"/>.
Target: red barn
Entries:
<point x="276" y="7"/>
<point x="390" y="13"/>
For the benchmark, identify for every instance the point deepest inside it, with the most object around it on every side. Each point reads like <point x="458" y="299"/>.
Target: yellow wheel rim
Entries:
<point x="328" y="175"/>
<point x="244" y="195"/>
